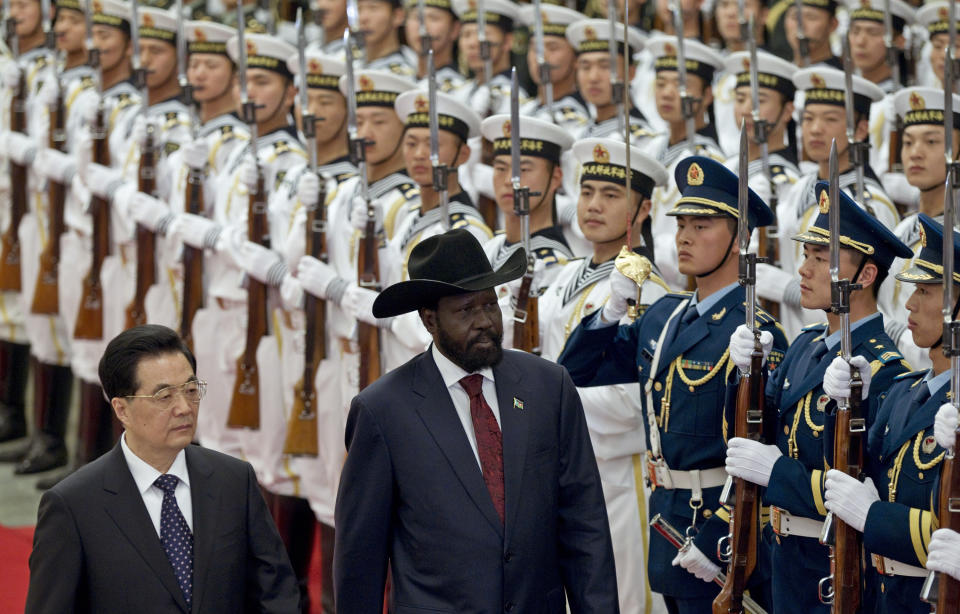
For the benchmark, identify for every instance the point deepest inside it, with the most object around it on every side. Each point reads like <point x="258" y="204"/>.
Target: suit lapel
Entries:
<point x="205" y="495"/>
<point x="514" y="424"/>
<point x="438" y="414"/>
<point x="128" y="512"/>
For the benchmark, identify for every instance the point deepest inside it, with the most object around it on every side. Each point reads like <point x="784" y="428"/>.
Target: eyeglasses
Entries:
<point x="192" y="391"/>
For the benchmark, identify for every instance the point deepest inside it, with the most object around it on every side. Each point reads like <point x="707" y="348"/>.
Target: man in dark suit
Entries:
<point x="156" y="524"/>
<point x="469" y="469"/>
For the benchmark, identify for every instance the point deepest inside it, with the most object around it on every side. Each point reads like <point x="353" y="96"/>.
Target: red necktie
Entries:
<point x="489" y="440"/>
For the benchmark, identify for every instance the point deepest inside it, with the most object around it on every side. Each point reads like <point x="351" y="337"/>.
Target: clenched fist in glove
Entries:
<point x="195" y="154"/>
<point x="248" y="174"/>
<point x="102" y="180"/>
<point x="19" y="147"/>
<point x="945" y="426"/>
<point x="622" y="289"/>
<point x="849" y="498"/>
<point x="149" y="212"/>
<point x="308" y="190"/>
<point x="55" y="165"/>
<point x="696" y="562"/>
<point x="751" y="460"/>
<point x="195" y="230"/>
<point x="11" y="75"/>
<point x="742" y="343"/>
<point x="320" y="279"/>
<point x="359" y="214"/>
<point x="943" y="555"/>
<point x="836" y="381"/>
<point x="261" y="263"/>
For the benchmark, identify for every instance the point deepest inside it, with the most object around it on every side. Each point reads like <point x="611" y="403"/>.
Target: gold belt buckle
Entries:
<point x="878" y="564"/>
<point x="775" y="519"/>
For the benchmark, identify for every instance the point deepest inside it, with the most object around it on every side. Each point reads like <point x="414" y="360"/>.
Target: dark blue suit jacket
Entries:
<point x="412" y="494"/>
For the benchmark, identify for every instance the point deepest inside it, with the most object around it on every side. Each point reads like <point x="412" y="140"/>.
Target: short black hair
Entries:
<point x="118" y="365"/>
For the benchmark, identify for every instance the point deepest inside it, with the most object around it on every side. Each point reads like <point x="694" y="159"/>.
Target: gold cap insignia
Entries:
<point x="866" y="4"/>
<point x="543" y="16"/>
<point x="943" y="14"/>
<point x="365" y="83"/>
<point x="199" y="35"/>
<point x="589" y="33"/>
<point x="507" y="128"/>
<point x="97" y="6"/>
<point x="695" y="174"/>
<point x="147" y="20"/>
<point x="669" y="49"/>
<point x="929" y="444"/>
<point x="315" y="67"/>
<point x="251" y="48"/>
<point x="472" y="4"/>
<point x="421" y="104"/>
<point x="824" y="203"/>
<point x="817" y="82"/>
<point x="600" y="154"/>
<point x="917" y="102"/>
<point x="746" y="64"/>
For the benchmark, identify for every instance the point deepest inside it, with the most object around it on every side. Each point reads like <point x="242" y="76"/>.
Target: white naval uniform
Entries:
<point x="796" y="212"/>
<point x="11" y="313"/>
<point x="615" y="421"/>
<point x="402" y="62"/>
<point x="451" y="82"/>
<point x="569" y="113"/>
<point x="724" y="99"/>
<point x="494" y="98"/>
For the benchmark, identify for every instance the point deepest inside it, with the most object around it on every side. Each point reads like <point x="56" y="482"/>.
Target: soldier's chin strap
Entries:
<point x="733" y="238"/>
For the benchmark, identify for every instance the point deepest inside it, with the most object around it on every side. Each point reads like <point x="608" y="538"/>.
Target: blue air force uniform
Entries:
<point x="678" y="351"/>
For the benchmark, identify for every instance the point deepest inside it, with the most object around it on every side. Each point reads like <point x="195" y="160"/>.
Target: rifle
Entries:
<point x="89" y="323"/>
<point x="542" y="67"/>
<point x="302" y="426"/>
<point x="841" y="588"/>
<point x="245" y="401"/>
<point x="10" y="249"/>
<point x="676" y="539"/>
<point x="942" y="591"/>
<point x="192" y="298"/>
<point x="46" y="293"/>
<point x="858" y="149"/>
<point x="526" y="321"/>
<point x="740" y="551"/>
<point x="803" y="45"/>
<point x="687" y="102"/>
<point x="441" y="172"/>
<point x="147" y="183"/>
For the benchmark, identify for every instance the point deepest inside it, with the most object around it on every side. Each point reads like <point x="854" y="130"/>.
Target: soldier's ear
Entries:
<point x="463" y="155"/>
<point x="398" y="17"/>
<point x="632" y="71"/>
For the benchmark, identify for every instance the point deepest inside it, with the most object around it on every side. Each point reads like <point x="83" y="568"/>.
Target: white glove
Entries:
<point x="19" y="147"/>
<point x="741" y="346"/>
<point x="358" y="214"/>
<point x="83" y="153"/>
<point x="11" y="75"/>
<point x="291" y="292"/>
<point x="55" y="165"/>
<point x="195" y="154"/>
<point x="696" y="562"/>
<point x="358" y="303"/>
<point x="836" y="380"/>
<point x="622" y="288"/>
<point x="85" y="107"/>
<point x="47" y="96"/>
<point x="943" y="554"/>
<point x="751" y="460"/>
<point x="945" y="426"/>
<point x="308" y="190"/>
<point x="248" y="173"/>
<point x="149" y="212"/>
<point x="261" y="263"/>
<point x="320" y="279"/>
<point x="138" y="133"/>
<point x="849" y="498"/>
<point x="194" y="229"/>
<point x="102" y="180"/>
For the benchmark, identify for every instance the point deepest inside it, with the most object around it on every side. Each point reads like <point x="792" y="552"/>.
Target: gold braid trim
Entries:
<point x="916" y="456"/>
<point x="897" y="467"/>
<point x="675" y="367"/>
<point x="806" y="415"/>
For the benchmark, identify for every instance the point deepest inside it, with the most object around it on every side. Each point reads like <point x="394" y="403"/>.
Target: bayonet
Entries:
<point x="426" y="41"/>
<point x="353" y="25"/>
<point x="857" y="149"/>
<point x="748" y="269"/>
<point x="186" y="89"/>
<point x="803" y="45"/>
<point x="687" y="102"/>
<point x="544" y="69"/>
<point x="50" y="39"/>
<point x="248" y="110"/>
<point x="307" y="120"/>
<point x="93" y="53"/>
<point x="616" y="85"/>
<point x="440" y="171"/>
<point x="358" y="154"/>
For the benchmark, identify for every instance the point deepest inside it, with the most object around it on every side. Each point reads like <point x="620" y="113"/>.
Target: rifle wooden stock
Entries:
<point x="368" y="335"/>
<point x="948" y="587"/>
<point x="46" y="293"/>
<point x="526" y="324"/>
<point x="192" y="299"/>
<point x="10" y="248"/>
<point x="245" y="402"/>
<point x="90" y="313"/>
<point x="745" y="517"/>
<point x="847" y="541"/>
<point x="146" y="240"/>
<point x="302" y="427"/>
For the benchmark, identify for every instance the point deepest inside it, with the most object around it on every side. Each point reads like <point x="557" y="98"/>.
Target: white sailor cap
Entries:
<point x="112" y="13"/>
<point x="772" y="72"/>
<point x="824" y="85"/>
<point x="873" y="10"/>
<point x="323" y="71"/>
<point x="606" y="160"/>
<point x="556" y="19"/>
<point x="73" y="5"/>
<point x="701" y="59"/>
<point x="924" y="105"/>
<point x="376" y="88"/>
<point x="936" y="17"/>
<point x="158" y="24"/>
<point x="413" y="108"/>
<point x="500" y="13"/>
<point x="538" y="138"/>
<point x="263" y="51"/>
<point x="208" y="37"/>
<point x="588" y="35"/>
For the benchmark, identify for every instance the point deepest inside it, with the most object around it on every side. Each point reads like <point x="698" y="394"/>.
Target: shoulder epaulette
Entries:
<point x="409" y="190"/>
<point x="764" y="317"/>
<point x="819" y="326"/>
<point x="679" y="294"/>
<point x="911" y="374"/>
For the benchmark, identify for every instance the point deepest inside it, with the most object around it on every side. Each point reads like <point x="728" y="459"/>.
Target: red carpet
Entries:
<point x="15" y="546"/>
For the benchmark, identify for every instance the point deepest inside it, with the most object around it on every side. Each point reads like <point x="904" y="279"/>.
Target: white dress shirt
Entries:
<point x="145" y="475"/>
<point x="452" y="374"/>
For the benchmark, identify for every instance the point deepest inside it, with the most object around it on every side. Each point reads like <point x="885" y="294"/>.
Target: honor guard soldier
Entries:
<point x="895" y="508"/>
<point x="823" y="120"/>
<point x="775" y="107"/>
<point x="590" y="39"/>
<point x="678" y="351"/>
<point x="569" y="109"/>
<point x="614" y="416"/>
<point x="819" y="18"/>
<point x="443" y="29"/>
<point x="333" y="22"/>
<point x="541" y="147"/>
<point x="23" y="78"/>
<point x="934" y="17"/>
<point x="380" y="22"/>
<point x="493" y="97"/>
<point x="921" y="148"/>
<point x="792" y="471"/>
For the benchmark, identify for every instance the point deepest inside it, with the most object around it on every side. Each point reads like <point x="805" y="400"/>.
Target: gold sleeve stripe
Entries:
<point x="917" y="523"/>
<point x="926" y="529"/>
<point x="723" y="514"/>
<point x="816" y="488"/>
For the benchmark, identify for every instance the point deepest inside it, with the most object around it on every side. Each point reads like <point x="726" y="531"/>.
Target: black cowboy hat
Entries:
<point x="445" y="265"/>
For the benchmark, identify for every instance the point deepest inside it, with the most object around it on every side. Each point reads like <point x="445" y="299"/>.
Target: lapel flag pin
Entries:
<point x="517" y="403"/>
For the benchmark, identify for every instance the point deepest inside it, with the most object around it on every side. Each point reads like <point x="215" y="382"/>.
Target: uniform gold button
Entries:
<point x="691" y="388"/>
<point x="920" y="475"/>
<point x="658" y="386"/>
<point x="882" y="587"/>
<point x="707" y="513"/>
<point x="890" y="473"/>
<point x="816" y="434"/>
<point x="786" y="430"/>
